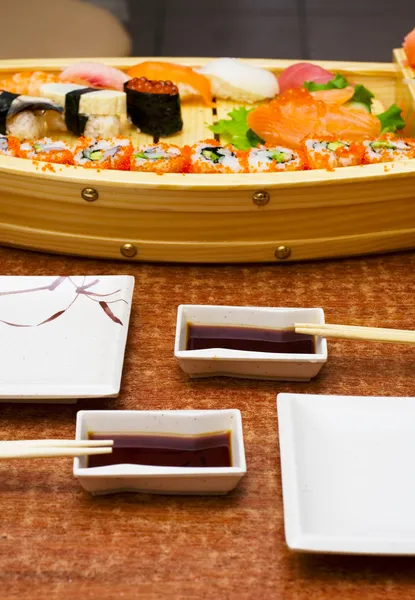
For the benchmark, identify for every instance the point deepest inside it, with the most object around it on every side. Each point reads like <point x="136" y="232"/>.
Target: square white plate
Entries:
<point x="63" y="338"/>
<point x="348" y="473"/>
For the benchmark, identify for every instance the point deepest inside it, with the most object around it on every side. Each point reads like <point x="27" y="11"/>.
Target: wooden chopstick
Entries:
<point x="53" y="448"/>
<point x="356" y="332"/>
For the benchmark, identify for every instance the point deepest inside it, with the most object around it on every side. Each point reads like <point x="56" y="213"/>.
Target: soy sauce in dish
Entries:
<point x="168" y="450"/>
<point x="252" y="339"/>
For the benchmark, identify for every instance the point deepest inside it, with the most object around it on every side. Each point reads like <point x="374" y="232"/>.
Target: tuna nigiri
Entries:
<point x="409" y="47"/>
<point x="187" y="80"/>
<point x="297" y="114"/>
<point x="295" y="76"/>
<point x="95" y="75"/>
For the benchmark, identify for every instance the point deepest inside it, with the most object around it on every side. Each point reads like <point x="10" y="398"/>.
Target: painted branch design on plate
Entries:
<point x="82" y="290"/>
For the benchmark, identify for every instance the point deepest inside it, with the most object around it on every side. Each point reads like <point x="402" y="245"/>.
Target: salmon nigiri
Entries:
<point x="187" y="80"/>
<point x="296" y="114"/>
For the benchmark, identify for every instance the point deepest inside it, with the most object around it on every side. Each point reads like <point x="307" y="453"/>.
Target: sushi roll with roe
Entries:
<point x="211" y="157"/>
<point x="271" y="159"/>
<point x="47" y="150"/>
<point x="331" y="153"/>
<point x="388" y="148"/>
<point x="113" y="153"/>
<point x="154" y="106"/>
<point x="159" y="158"/>
<point x="9" y="145"/>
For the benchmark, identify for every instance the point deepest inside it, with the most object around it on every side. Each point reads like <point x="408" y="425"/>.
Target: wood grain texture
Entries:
<point x="57" y="542"/>
<point x="316" y="213"/>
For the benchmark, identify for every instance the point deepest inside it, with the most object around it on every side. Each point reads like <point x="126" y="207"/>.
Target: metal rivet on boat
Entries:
<point x="89" y="194"/>
<point x="260" y="198"/>
<point x="128" y="250"/>
<point x="282" y="252"/>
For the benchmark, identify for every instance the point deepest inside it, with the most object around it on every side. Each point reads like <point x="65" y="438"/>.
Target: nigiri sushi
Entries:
<point x="95" y="75"/>
<point x="159" y="158"/>
<point x="23" y="116"/>
<point x="211" y="157"/>
<point x="271" y="159"/>
<point x="331" y="153"/>
<point x="231" y="78"/>
<point x="409" y="47"/>
<point x="296" y="114"/>
<point x="27" y="83"/>
<point x="189" y="82"/>
<point x="113" y="153"/>
<point x="296" y="75"/>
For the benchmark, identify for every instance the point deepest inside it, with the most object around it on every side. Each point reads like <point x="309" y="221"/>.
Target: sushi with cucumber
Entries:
<point x="211" y="157"/>
<point x="47" y="150"/>
<point x="154" y="106"/>
<point x="270" y="159"/>
<point x="113" y="153"/>
<point x="388" y="149"/>
<point x="159" y="158"/>
<point x="331" y="153"/>
<point x="9" y="145"/>
<point x="24" y="116"/>
<point x="87" y="111"/>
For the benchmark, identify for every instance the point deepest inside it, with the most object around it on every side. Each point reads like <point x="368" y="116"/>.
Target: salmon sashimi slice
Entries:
<point x="287" y="120"/>
<point x="409" y="47"/>
<point x="27" y="83"/>
<point x="335" y="96"/>
<point x="188" y="81"/>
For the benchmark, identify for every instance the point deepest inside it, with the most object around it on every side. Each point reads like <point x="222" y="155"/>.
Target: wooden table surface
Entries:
<point x="56" y="541"/>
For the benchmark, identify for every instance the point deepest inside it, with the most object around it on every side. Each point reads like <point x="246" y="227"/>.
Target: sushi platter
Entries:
<point x="205" y="201"/>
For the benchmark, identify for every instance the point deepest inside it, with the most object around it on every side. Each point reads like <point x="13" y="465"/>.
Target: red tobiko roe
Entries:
<point x="409" y="47"/>
<point x="294" y="77"/>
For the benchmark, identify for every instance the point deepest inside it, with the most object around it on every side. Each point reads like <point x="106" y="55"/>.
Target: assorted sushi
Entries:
<point x="332" y="153"/>
<point x="47" y="150"/>
<point x="154" y="106"/>
<point x="271" y="159"/>
<point x="159" y="158"/>
<point x="9" y="145"/>
<point x="23" y="116"/>
<point x="113" y="153"/>
<point x="211" y="157"/>
<point x="388" y="149"/>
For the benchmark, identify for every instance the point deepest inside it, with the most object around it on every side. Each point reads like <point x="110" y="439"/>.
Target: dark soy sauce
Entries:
<point x="253" y="339"/>
<point x="208" y="450"/>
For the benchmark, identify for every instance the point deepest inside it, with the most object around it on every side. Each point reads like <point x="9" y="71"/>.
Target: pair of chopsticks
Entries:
<point x="53" y="448"/>
<point x="352" y="332"/>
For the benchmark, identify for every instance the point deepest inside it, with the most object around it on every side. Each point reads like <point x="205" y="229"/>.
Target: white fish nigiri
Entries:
<point x="233" y="79"/>
<point x="95" y="75"/>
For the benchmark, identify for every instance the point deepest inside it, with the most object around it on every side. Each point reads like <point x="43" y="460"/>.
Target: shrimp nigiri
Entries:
<point x="187" y="80"/>
<point x="296" y="114"/>
<point x="27" y="83"/>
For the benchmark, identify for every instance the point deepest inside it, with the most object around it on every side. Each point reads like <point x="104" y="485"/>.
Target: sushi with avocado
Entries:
<point x="47" y="150"/>
<point x="388" y="149"/>
<point x="113" y="153"/>
<point x="159" y="158"/>
<point x="211" y="157"/>
<point x="331" y="153"/>
<point x="154" y="106"/>
<point x="270" y="159"/>
<point x="23" y="116"/>
<point x="87" y="111"/>
<point x="9" y="145"/>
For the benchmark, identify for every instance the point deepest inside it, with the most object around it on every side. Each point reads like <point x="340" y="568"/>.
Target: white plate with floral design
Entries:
<point x="63" y="337"/>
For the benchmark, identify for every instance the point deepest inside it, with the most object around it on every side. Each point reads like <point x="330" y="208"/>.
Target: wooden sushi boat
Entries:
<point x="215" y="218"/>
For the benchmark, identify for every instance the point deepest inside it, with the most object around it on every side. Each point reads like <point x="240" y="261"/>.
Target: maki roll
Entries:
<point x="210" y="157"/>
<point x="9" y="146"/>
<point x="270" y="159"/>
<point x="47" y="150"/>
<point x="331" y="153"/>
<point x="87" y="111"/>
<point x="23" y="116"/>
<point x="154" y="106"/>
<point x="388" y="149"/>
<point x="159" y="158"/>
<point x="113" y="153"/>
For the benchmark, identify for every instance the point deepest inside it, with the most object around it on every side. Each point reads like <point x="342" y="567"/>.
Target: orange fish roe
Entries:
<point x="148" y="86"/>
<point x="159" y="158"/>
<point x="331" y="153"/>
<point x="114" y="153"/>
<point x="48" y="167"/>
<point x="210" y="156"/>
<point x="46" y="150"/>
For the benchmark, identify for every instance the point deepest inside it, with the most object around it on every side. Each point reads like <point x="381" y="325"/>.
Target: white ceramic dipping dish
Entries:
<point x="252" y="365"/>
<point x="161" y="480"/>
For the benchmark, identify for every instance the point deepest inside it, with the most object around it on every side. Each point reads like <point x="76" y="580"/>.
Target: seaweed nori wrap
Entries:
<point x="74" y="121"/>
<point x="6" y="99"/>
<point x="154" y="106"/>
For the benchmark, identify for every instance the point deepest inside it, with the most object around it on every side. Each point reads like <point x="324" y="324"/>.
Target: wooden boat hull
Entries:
<point x="211" y="218"/>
